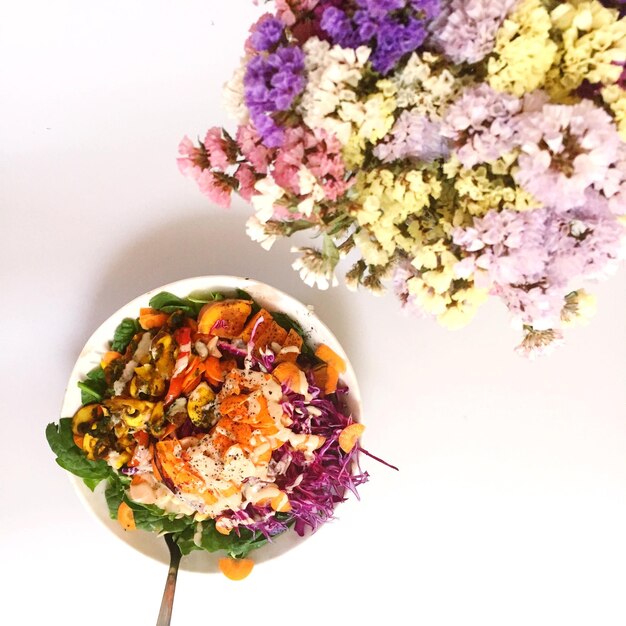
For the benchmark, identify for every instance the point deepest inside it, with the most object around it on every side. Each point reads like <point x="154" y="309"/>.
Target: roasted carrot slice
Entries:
<point x="126" y="517"/>
<point x="78" y="440"/>
<point x="235" y="569"/>
<point x="213" y="370"/>
<point x="349" y="436"/>
<point x="328" y="355"/>
<point x="151" y="318"/>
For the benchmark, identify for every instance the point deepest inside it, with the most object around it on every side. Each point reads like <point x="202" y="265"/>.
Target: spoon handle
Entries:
<point x="165" y="614"/>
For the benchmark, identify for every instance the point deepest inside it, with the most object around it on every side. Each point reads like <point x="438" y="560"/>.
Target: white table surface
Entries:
<point x="510" y="506"/>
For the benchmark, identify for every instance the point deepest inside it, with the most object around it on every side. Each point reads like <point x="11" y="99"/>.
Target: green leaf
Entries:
<point x="237" y="546"/>
<point x="92" y="483"/>
<point x="153" y="519"/>
<point x="330" y="251"/>
<point x="170" y="303"/>
<point x="94" y="387"/>
<point x="124" y="333"/>
<point x="70" y="457"/>
<point x="114" y="492"/>
<point x="204" y="297"/>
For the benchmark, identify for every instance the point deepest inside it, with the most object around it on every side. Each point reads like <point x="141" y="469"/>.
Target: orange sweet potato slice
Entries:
<point x="349" y="436"/>
<point x="293" y="340"/>
<point x="235" y="569"/>
<point x="246" y="334"/>
<point x="225" y="318"/>
<point x="328" y="355"/>
<point x="288" y="374"/>
<point x="151" y="318"/>
<point x="126" y="517"/>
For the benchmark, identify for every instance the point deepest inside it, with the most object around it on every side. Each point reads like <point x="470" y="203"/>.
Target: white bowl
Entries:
<point x="272" y="299"/>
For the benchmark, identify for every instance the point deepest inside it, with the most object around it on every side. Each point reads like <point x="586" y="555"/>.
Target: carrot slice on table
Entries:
<point x="235" y="569"/>
<point x="328" y="355"/>
<point x="126" y="517"/>
<point x="349" y="436"/>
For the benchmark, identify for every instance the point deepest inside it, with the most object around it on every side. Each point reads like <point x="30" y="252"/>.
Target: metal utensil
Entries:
<point x="165" y="614"/>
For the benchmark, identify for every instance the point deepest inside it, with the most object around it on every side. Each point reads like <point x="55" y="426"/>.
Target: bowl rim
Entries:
<point x="150" y="544"/>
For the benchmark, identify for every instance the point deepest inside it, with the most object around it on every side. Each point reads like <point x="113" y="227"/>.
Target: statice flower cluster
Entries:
<point x="274" y="78"/>
<point x="394" y="28"/>
<point x="448" y="150"/>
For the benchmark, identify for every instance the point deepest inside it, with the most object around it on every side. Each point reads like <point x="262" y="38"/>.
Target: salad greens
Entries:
<point x="226" y="380"/>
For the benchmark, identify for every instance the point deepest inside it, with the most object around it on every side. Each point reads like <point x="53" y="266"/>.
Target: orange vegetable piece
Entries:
<point x="78" y="440"/>
<point x="151" y="318"/>
<point x="246" y="333"/>
<point x="289" y="374"/>
<point x="349" y="436"/>
<point x="293" y="340"/>
<point x="125" y="517"/>
<point x="223" y="525"/>
<point x="280" y="503"/>
<point x="328" y="355"/>
<point x="225" y="318"/>
<point x="213" y="370"/>
<point x="142" y="438"/>
<point x="109" y="357"/>
<point x="332" y="378"/>
<point x="235" y="569"/>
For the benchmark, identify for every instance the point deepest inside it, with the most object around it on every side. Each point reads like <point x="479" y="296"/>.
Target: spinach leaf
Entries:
<point x="115" y="491"/>
<point x="169" y="303"/>
<point x="94" y="387"/>
<point x="153" y="519"/>
<point x="71" y="458"/>
<point x="212" y="541"/>
<point x="204" y="297"/>
<point x="125" y="331"/>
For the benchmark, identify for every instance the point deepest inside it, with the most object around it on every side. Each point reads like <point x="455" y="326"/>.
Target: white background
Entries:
<point x="510" y="506"/>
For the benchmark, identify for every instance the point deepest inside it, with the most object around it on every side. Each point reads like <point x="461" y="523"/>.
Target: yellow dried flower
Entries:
<point x="524" y="52"/>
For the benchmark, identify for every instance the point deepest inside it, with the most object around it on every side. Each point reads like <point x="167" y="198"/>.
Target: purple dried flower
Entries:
<point x="413" y="136"/>
<point x="392" y="28"/>
<point x="565" y="150"/>
<point x="271" y="84"/>
<point x="480" y="123"/>
<point x="465" y="31"/>
<point x="267" y="34"/>
<point x="531" y="258"/>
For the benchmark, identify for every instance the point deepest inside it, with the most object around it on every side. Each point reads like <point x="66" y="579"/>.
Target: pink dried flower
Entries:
<point x="192" y="160"/>
<point x="216" y="147"/>
<point x="253" y="150"/>
<point x="246" y="178"/>
<point x="215" y="187"/>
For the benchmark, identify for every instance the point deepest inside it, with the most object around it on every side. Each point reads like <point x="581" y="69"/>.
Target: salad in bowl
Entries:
<point x="215" y="416"/>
